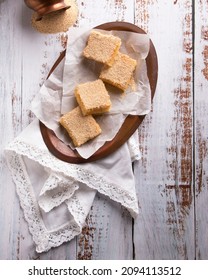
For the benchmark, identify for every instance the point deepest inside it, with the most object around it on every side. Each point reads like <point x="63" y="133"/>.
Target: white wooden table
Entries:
<point x="172" y="177"/>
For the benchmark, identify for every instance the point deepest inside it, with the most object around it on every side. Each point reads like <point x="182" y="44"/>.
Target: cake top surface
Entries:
<point x="77" y="122"/>
<point x="102" y="47"/>
<point x="93" y="94"/>
<point x="80" y="128"/>
<point x="121" y="71"/>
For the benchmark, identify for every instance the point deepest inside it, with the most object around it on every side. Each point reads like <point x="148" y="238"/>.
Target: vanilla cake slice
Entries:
<point x="93" y="98"/>
<point x="101" y="47"/>
<point x="120" y="73"/>
<point x="80" y="128"/>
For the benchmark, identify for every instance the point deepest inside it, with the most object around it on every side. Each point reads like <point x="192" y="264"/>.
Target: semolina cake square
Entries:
<point x="93" y="98"/>
<point x="120" y="73"/>
<point x="80" y="128"/>
<point x="101" y="47"/>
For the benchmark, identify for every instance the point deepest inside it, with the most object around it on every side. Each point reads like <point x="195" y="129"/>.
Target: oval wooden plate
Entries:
<point x="64" y="152"/>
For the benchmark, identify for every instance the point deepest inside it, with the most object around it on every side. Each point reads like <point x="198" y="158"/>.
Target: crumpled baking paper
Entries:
<point x="57" y="93"/>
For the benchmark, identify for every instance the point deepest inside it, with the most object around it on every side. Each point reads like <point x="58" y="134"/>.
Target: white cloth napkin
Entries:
<point x="56" y="196"/>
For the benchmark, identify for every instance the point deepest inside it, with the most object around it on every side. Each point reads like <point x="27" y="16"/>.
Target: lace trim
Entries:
<point x="43" y="238"/>
<point x="80" y="174"/>
<point x="55" y="191"/>
<point x="76" y="209"/>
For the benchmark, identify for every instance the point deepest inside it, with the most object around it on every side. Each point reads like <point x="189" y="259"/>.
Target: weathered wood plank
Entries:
<point x="165" y="226"/>
<point x="108" y="232"/>
<point x="37" y="67"/>
<point x="92" y="13"/>
<point x="40" y="51"/>
<point x="201" y="127"/>
<point x="10" y="123"/>
<point x="27" y="56"/>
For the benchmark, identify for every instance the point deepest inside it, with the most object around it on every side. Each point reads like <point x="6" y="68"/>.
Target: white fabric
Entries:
<point x="56" y="196"/>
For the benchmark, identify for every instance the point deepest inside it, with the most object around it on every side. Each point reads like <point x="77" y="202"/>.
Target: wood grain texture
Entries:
<point x="172" y="177"/>
<point x="10" y="124"/>
<point x="27" y="57"/>
<point x="108" y="232"/>
<point x="34" y="56"/>
<point x="165" y="226"/>
<point x="46" y="49"/>
<point x="201" y="127"/>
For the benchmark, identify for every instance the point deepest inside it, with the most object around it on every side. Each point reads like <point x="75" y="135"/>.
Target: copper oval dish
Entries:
<point x="64" y="152"/>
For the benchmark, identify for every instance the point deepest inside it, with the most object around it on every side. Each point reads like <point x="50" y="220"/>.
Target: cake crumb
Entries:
<point x="56" y="22"/>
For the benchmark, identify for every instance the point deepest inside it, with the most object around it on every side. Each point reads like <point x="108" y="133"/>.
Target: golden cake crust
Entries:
<point x="80" y="128"/>
<point x="120" y="73"/>
<point x="93" y="98"/>
<point x="101" y="47"/>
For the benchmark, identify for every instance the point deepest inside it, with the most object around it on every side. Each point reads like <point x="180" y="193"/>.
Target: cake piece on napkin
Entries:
<point x="120" y="73"/>
<point x="102" y="48"/>
<point x="80" y="128"/>
<point x="93" y="98"/>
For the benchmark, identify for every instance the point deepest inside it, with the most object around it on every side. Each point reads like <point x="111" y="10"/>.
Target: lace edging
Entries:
<point x="87" y="177"/>
<point x="43" y="238"/>
<point x="55" y="191"/>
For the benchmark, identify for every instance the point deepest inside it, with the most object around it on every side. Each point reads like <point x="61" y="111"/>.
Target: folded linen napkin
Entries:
<point x="56" y="196"/>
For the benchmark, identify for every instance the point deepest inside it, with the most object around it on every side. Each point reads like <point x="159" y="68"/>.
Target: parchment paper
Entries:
<point x="57" y="93"/>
